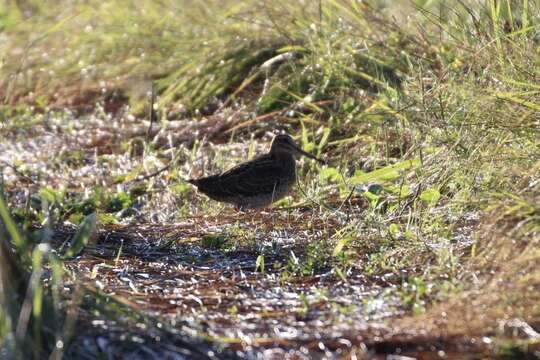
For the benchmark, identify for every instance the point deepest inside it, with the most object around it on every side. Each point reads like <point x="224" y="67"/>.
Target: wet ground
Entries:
<point x="218" y="295"/>
<point x="199" y="280"/>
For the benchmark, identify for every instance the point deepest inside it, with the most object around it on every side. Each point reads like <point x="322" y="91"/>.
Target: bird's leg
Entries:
<point x="246" y="213"/>
<point x="251" y="214"/>
<point x="289" y="210"/>
<point x="272" y="212"/>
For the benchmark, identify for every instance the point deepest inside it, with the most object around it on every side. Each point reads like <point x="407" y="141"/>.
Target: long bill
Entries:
<point x="311" y="156"/>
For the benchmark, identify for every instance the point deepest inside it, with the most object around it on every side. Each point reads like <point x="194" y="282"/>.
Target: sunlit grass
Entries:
<point x="426" y="112"/>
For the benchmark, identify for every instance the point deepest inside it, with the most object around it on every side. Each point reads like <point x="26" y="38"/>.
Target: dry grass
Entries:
<point x="420" y="237"/>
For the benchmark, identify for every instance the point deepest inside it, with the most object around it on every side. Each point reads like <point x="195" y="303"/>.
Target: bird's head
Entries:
<point x="285" y="143"/>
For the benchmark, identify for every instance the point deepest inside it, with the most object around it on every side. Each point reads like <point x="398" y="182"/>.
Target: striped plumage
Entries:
<point x="259" y="182"/>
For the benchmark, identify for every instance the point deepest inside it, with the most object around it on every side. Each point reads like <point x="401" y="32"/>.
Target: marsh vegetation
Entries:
<point x="419" y="237"/>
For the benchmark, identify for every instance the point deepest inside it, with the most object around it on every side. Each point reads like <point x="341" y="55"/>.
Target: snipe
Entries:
<point x="259" y="182"/>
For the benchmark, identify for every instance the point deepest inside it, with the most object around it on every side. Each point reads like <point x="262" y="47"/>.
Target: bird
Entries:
<point x="257" y="183"/>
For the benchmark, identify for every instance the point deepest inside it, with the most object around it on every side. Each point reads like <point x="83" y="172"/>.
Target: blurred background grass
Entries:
<point x="198" y="50"/>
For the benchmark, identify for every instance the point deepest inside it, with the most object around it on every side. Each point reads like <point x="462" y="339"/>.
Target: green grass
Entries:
<point x="426" y="110"/>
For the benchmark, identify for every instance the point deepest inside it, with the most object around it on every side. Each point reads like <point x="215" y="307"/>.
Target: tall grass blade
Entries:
<point x="11" y="227"/>
<point x="388" y="173"/>
<point x="83" y="235"/>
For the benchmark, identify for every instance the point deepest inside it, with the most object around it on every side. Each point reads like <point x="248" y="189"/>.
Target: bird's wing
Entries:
<point x="256" y="177"/>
